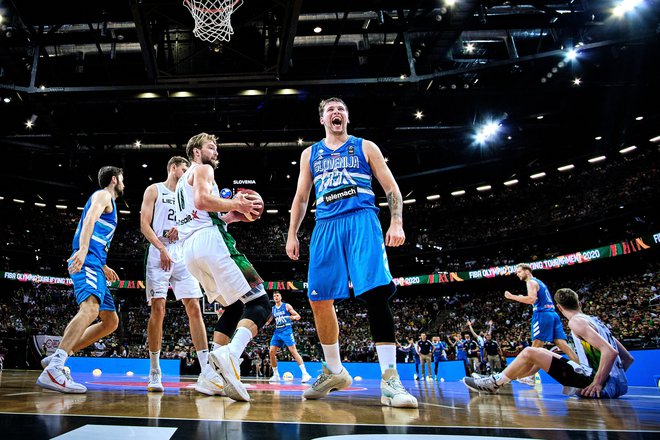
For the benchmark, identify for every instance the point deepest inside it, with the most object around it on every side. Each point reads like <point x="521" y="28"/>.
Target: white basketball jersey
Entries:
<point x="189" y="219"/>
<point x="164" y="217"/>
<point x="590" y="356"/>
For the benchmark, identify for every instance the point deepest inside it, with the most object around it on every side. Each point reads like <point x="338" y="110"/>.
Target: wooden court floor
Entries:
<point x="118" y="406"/>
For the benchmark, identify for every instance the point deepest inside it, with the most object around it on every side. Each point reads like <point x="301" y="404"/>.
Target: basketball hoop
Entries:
<point x="212" y="18"/>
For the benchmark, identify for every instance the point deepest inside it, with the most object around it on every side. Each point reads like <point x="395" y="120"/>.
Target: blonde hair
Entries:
<point x="196" y="142"/>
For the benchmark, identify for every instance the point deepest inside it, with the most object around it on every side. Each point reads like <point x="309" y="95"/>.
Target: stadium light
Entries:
<point x="597" y="159"/>
<point x="433" y="197"/>
<point x="537" y="175"/>
<point x="566" y="167"/>
<point x="458" y="193"/>
<point x="627" y="149"/>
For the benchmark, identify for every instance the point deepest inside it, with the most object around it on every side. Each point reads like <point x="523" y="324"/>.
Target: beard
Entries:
<point x="119" y="191"/>
<point x="209" y="161"/>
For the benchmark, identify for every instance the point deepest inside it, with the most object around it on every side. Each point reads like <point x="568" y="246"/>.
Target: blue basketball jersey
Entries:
<point x="104" y="230"/>
<point x="342" y="179"/>
<point x="282" y="317"/>
<point x="543" y="299"/>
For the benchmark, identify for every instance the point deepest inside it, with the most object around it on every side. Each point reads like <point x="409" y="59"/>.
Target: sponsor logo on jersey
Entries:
<point x="351" y="150"/>
<point x="188" y="218"/>
<point x="340" y="194"/>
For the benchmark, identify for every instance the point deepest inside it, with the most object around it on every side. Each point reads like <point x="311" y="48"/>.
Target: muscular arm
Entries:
<point x="146" y="217"/>
<point x="395" y="235"/>
<point x="530" y="298"/>
<point x="624" y="354"/>
<point x="299" y="205"/>
<point x="294" y="315"/>
<point x="101" y="202"/>
<point x="608" y="354"/>
<point x="202" y="185"/>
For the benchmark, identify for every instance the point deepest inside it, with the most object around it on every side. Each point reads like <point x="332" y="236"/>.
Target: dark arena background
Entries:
<point x="517" y="131"/>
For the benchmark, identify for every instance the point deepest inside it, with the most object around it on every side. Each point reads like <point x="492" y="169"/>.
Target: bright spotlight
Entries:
<point x="419" y="114"/>
<point x="571" y="55"/>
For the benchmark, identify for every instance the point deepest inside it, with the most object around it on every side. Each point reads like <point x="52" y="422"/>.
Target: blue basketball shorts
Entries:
<point x="91" y="281"/>
<point x="283" y="338"/>
<point x="348" y="247"/>
<point x="546" y="327"/>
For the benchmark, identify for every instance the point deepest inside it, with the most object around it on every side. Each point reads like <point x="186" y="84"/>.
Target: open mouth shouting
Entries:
<point x="336" y="123"/>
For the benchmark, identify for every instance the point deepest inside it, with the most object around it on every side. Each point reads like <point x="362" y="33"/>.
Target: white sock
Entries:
<point x="275" y="373"/>
<point x="302" y="368"/>
<point x="215" y="346"/>
<point x="332" y="357"/>
<point x="203" y="356"/>
<point x="239" y="341"/>
<point x="59" y="358"/>
<point x="154" y="357"/>
<point x="501" y="379"/>
<point x="386" y="356"/>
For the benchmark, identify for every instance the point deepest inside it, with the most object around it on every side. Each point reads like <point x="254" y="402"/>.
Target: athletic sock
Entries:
<point x="59" y="358"/>
<point x="215" y="346"/>
<point x="302" y="368"/>
<point x="275" y="373"/>
<point x="239" y="341"/>
<point x="501" y="379"/>
<point x="386" y="356"/>
<point x="203" y="356"/>
<point x="332" y="357"/>
<point x="154" y="358"/>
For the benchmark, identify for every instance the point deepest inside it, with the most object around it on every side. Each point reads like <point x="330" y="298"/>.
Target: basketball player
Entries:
<point x="283" y="314"/>
<point x="600" y="371"/>
<point x="439" y="354"/>
<point x="211" y="257"/>
<point x="89" y="274"/>
<point x="347" y="243"/>
<point x="165" y="266"/>
<point x="546" y="324"/>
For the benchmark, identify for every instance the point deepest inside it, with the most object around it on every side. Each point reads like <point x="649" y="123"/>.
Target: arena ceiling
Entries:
<point x="94" y="77"/>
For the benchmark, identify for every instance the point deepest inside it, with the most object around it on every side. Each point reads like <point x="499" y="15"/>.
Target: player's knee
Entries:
<point x="229" y="320"/>
<point x="110" y="322"/>
<point x="379" y="313"/>
<point x="258" y="310"/>
<point x="158" y="308"/>
<point x="192" y="308"/>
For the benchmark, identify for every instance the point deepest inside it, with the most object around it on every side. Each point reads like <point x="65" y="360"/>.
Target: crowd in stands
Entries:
<point x="627" y="303"/>
<point x="600" y="204"/>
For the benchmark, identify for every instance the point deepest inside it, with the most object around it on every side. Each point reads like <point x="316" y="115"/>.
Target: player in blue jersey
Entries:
<point x="546" y="324"/>
<point x="599" y="372"/>
<point x="283" y="314"/>
<point x="347" y="244"/>
<point x="89" y="272"/>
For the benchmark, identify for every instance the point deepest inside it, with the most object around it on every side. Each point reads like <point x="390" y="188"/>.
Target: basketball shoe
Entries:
<point x="328" y="382"/>
<point x="393" y="393"/>
<point x="482" y="385"/>
<point x="527" y="380"/>
<point x="59" y="379"/>
<point x="275" y="378"/>
<point x="306" y="378"/>
<point x="154" y="381"/>
<point x="227" y="366"/>
<point x="45" y="361"/>
<point x="210" y="382"/>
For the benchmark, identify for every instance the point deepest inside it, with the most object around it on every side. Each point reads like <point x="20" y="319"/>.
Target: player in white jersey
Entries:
<point x="211" y="256"/>
<point x="601" y="372"/>
<point x="164" y="266"/>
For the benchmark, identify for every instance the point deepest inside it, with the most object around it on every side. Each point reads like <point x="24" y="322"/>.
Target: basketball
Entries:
<point x="242" y="217"/>
<point x="287" y="376"/>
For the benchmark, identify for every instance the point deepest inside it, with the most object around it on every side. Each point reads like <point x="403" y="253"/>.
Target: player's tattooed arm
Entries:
<point x="395" y="202"/>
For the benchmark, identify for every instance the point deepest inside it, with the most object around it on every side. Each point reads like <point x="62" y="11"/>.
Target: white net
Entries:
<point x="212" y="18"/>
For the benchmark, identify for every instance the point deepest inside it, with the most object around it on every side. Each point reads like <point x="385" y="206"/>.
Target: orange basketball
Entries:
<point x="242" y="217"/>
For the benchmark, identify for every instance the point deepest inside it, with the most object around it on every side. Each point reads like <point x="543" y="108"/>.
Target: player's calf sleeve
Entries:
<point x="381" y="321"/>
<point x="229" y="319"/>
<point x="258" y="310"/>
